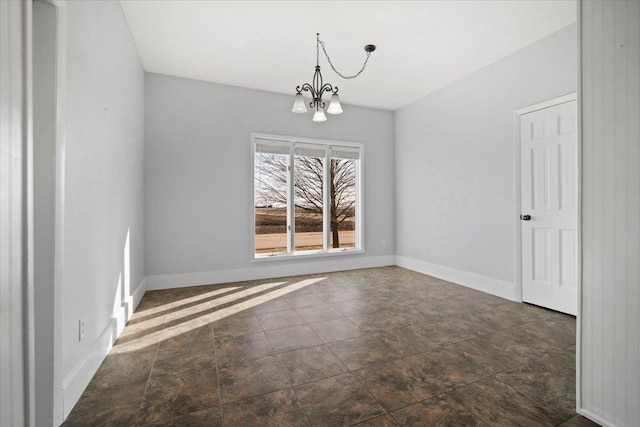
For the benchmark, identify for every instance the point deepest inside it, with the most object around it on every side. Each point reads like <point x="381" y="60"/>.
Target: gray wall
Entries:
<point x="455" y="204"/>
<point x="609" y="346"/>
<point x="198" y="174"/>
<point x="104" y="185"/>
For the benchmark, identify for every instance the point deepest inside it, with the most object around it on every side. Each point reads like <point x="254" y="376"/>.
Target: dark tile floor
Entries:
<point x="376" y="347"/>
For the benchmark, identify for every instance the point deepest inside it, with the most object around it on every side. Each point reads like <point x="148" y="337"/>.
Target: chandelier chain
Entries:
<point x="321" y="43"/>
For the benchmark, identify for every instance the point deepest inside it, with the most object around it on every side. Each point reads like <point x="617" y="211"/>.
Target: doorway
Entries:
<point x="549" y="204"/>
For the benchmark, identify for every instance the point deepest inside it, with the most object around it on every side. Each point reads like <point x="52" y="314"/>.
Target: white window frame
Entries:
<point x="292" y="141"/>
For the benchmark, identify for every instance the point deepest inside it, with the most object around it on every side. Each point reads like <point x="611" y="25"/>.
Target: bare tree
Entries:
<point x="308" y="176"/>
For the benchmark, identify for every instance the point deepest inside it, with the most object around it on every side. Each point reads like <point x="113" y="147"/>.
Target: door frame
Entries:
<point x="59" y="141"/>
<point x="518" y="185"/>
<point x="518" y="209"/>
<point x="17" y="397"/>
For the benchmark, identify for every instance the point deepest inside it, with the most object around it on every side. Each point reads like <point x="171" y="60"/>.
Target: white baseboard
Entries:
<point x="596" y="419"/>
<point x="470" y="280"/>
<point x="260" y="271"/>
<point x="138" y="294"/>
<point x="77" y="381"/>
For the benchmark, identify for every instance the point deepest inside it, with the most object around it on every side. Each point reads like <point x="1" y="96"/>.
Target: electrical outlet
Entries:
<point x="383" y="244"/>
<point x="82" y="329"/>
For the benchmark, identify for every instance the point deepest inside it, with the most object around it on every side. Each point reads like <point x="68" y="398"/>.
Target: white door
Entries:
<point x="549" y="217"/>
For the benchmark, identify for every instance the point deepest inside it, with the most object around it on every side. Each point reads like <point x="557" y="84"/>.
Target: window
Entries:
<point x="307" y="197"/>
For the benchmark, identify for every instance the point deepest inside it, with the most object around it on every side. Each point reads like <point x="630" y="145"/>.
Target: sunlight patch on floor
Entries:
<point x="185" y="301"/>
<point x="204" y="306"/>
<point x="206" y="319"/>
<point x="176" y="315"/>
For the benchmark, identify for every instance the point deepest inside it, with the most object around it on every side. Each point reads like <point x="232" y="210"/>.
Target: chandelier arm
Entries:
<point x="307" y="88"/>
<point x="324" y="49"/>
<point x="315" y="95"/>
<point x="327" y="88"/>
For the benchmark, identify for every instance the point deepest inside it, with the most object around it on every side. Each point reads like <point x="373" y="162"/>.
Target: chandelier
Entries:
<point x="317" y="88"/>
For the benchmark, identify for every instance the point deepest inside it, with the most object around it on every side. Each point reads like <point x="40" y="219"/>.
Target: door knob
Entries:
<point x="525" y="217"/>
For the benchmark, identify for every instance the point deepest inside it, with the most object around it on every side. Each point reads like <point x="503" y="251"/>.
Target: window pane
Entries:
<point x="308" y="179"/>
<point x="270" y="203"/>
<point x="343" y="203"/>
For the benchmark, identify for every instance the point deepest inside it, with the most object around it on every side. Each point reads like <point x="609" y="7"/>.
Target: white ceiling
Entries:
<point x="270" y="45"/>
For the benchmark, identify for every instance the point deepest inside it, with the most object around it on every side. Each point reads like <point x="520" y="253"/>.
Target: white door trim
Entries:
<point x="16" y="216"/>
<point x="517" y="182"/>
<point x="59" y="198"/>
<point x="546" y="104"/>
<point x="60" y="144"/>
<point x="579" y="274"/>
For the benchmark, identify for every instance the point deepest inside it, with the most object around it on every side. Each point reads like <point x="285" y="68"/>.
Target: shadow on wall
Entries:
<point x="123" y="299"/>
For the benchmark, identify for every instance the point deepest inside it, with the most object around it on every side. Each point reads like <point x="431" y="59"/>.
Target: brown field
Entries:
<point x="271" y="231"/>
<point x="274" y="220"/>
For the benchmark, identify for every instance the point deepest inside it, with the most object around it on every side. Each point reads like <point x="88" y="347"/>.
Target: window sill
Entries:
<point x="305" y="255"/>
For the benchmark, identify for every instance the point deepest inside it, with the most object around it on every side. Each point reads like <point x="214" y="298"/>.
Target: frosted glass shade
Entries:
<point x="319" y="116"/>
<point x="298" y="104"/>
<point x="334" y="106"/>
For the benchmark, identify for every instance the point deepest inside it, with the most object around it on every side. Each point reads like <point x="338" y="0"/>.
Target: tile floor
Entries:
<point x="374" y="347"/>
